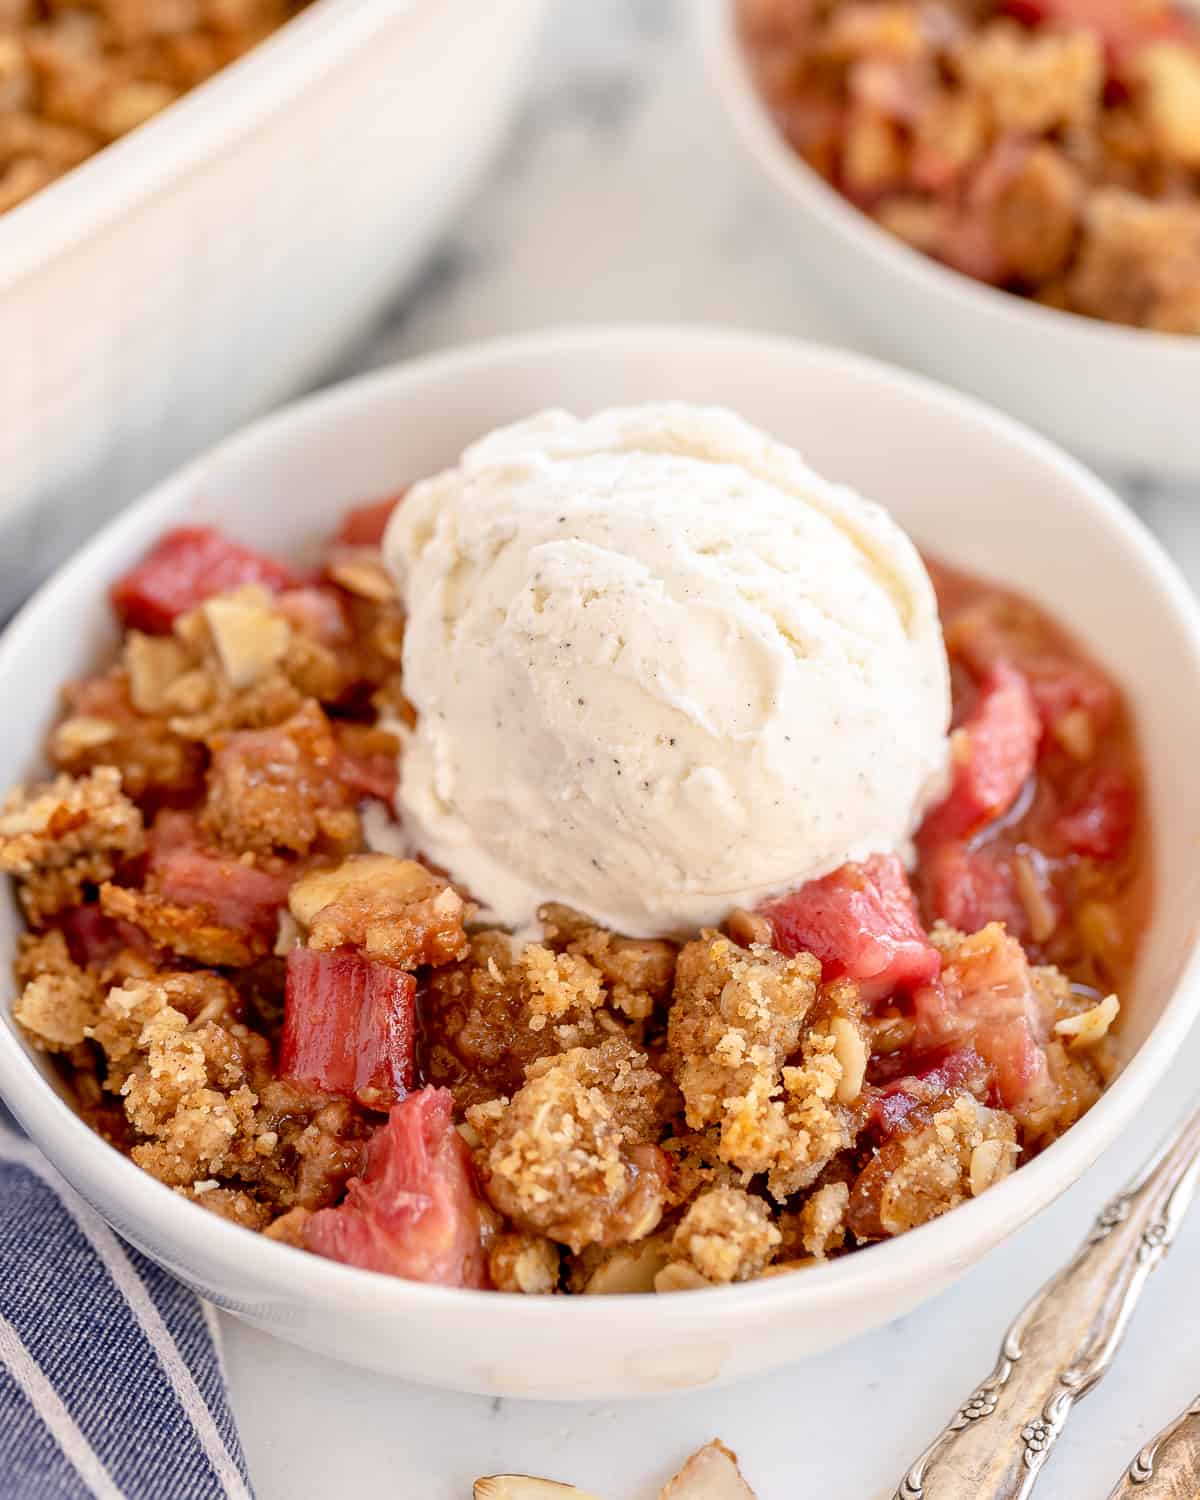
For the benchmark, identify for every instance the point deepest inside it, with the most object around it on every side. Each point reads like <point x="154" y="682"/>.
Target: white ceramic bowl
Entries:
<point x="1125" y="396"/>
<point x="211" y="263"/>
<point x="980" y="490"/>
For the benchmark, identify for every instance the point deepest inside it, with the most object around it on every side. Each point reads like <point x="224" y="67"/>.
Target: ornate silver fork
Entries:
<point x="1063" y="1342"/>
<point x="1168" y="1467"/>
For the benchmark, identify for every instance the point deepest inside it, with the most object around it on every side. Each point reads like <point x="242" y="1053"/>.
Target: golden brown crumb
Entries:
<point x="64" y="835"/>
<point x="277" y="789"/>
<point x="390" y="909"/>
<point x="696" y="1163"/>
<point x="1167" y="94"/>
<point x="558" y="984"/>
<point x="821" y="1095"/>
<point x="498" y="1011"/>
<point x="289" y="1228"/>
<point x="307" y="1144"/>
<point x="822" y="1219"/>
<point x="74" y="77"/>
<point x="736" y="1016"/>
<point x="526" y="1263"/>
<point x="229" y="1203"/>
<point x="1033" y="215"/>
<point x="569" y="1155"/>
<point x="637" y="971"/>
<point x="60" y="1001"/>
<point x="945" y="1156"/>
<point x="206" y="1112"/>
<point x="146" y="751"/>
<point x="181" y="1072"/>
<point x="726" y="1235"/>
<point x="188" y="931"/>
<point x="1032" y="83"/>
<point x="1139" y="262"/>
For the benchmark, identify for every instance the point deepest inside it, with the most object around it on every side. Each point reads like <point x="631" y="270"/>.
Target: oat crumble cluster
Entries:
<point x="77" y="74"/>
<point x="1051" y="147"/>
<point x="321" y="1042"/>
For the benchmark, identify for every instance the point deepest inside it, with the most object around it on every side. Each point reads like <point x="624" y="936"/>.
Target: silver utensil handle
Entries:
<point x="1062" y="1343"/>
<point x="1168" y="1467"/>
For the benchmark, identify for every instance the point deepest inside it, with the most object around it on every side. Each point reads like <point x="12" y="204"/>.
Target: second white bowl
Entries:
<point x="972" y="486"/>
<point x="1126" y="396"/>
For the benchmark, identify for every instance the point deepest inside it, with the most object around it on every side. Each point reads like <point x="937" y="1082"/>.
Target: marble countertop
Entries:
<point x="617" y="136"/>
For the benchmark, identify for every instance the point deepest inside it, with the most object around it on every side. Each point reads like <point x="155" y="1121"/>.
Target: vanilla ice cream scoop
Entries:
<point x="661" y="669"/>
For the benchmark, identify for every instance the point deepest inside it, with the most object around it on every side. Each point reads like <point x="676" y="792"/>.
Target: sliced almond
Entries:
<point x="526" y="1487"/>
<point x="190" y="693"/>
<point x="154" y="663"/>
<point x="990" y="1161"/>
<point x="1170" y="98"/>
<point x="851" y="1051"/>
<point x="365" y="575"/>
<point x="786" y="1267"/>
<point x="679" y="1277"/>
<point x="710" y="1474"/>
<point x="250" y="638"/>
<point x="1076" y="733"/>
<point x="80" y="734"/>
<point x="631" y="1268"/>
<point x="1091" y="1026"/>
<point x="287" y="933"/>
<point x="1043" y="917"/>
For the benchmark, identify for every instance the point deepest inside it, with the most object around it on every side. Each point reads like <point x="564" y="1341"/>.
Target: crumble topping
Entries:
<point x="736" y="1016"/>
<point x="62" y="836"/>
<point x="638" y="1115"/>
<point x="1052" y="151"/>
<point x="75" y="76"/>
<point x="59" y="1001"/>
<point x="637" y="971"/>
<point x="527" y="1263"/>
<point x="391" y="910"/>
<point x="821" y="1223"/>
<point x="726" y="1235"/>
<point x="569" y="1156"/>
<point x="948" y="1155"/>
<point x="277" y="789"/>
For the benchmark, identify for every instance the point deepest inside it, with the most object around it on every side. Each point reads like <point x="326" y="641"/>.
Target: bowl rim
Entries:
<point x="730" y="74"/>
<point x="947" y="1245"/>
<point x="202" y="123"/>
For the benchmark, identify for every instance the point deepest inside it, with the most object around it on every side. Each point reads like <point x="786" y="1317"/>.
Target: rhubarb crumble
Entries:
<point x="329" y="1043"/>
<point x="1050" y="147"/>
<point x="77" y="74"/>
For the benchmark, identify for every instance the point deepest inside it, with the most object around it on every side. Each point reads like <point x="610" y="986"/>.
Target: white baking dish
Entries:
<point x="214" y="261"/>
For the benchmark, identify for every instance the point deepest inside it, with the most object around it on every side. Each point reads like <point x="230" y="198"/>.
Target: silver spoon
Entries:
<point x="1062" y="1343"/>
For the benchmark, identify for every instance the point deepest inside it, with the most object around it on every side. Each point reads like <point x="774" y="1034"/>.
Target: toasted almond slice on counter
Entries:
<point x="1091" y="1026"/>
<point x="525" y="1487"/>
<point x="712" y="1473"/>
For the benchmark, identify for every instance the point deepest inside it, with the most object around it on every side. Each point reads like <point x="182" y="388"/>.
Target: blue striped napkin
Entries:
<point x="110" y="1370"/>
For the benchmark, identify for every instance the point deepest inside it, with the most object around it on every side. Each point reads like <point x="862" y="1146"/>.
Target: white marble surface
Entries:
<point x="619" y="198"/>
